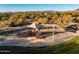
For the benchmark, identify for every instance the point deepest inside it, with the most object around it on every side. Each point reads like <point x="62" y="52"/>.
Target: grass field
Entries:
<point x="69" y="47"/>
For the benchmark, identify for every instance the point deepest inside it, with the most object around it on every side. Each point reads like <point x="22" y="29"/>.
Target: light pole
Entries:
<point x="53" y="34"/>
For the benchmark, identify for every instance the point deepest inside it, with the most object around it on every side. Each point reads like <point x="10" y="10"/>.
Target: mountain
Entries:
<point x="77" y="9"/>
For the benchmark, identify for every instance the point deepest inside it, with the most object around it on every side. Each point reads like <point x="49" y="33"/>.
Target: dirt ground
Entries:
<point x="33" y="41"/>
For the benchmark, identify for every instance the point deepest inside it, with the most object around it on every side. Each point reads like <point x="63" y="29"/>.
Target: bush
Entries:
<point x="38" y="34"/>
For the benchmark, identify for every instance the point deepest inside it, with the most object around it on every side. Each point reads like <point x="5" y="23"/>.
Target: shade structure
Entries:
<point x="35" y="26"/>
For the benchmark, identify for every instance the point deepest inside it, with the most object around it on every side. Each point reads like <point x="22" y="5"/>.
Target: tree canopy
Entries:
<point x="43" y="17"/>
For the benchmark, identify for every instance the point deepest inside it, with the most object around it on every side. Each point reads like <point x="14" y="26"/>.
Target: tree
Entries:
<point x="21" y="20"/>
<point x="66" y="20"/>
<point x="42" y="20"/>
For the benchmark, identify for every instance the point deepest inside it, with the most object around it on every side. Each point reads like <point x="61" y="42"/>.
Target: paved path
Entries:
<point x="33" y="41"/>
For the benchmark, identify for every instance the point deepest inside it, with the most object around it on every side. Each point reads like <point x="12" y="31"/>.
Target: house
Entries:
<point x="72" y="27"/>
<point x="28" y="21"/>
<point x="52" y="27"/>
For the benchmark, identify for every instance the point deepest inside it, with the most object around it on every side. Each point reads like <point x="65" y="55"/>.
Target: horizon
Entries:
<point x="37" y="7"/>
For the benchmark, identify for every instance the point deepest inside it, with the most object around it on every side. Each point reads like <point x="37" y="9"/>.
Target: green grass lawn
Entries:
<point x="71" y="46"/>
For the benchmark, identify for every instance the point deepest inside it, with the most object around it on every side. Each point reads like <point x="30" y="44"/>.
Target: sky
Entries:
<point x="37" y="7"/>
